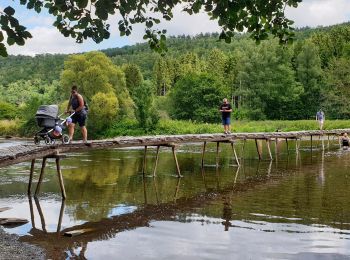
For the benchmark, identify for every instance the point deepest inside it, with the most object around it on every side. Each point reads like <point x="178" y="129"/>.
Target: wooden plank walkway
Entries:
<point x="26" y="152"/>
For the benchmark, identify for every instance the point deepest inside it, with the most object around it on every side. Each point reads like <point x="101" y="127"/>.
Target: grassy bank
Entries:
<point x="10" y="127"/>
<point x="131" y="128"/>
<point x="186" y="127"/>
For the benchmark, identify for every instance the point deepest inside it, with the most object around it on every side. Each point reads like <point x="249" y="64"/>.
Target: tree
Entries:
<point x="83" y="19"/>
<point x="146" y="113"/>
<point x="338" y="89"/>
<point x="309" y="74"/>
<point x="268" y="83"/>
<point x="133" y="76"/>
<point x="94" y="72"/>
<point x="104" y="109"/>
<point x="197" y="97"/>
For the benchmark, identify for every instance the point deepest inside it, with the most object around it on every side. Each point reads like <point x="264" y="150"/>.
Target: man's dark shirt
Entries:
<point x="225" y="107"/>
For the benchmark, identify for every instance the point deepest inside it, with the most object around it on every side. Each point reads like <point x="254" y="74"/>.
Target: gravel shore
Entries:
<point x="11" y="248"/>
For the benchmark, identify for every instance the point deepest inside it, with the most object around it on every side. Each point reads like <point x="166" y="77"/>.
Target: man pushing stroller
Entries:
<point x="77" y="103"/>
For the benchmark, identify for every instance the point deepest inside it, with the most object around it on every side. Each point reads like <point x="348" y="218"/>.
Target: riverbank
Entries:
<point x="132" y="128"/>
<point x="12" y="248"/>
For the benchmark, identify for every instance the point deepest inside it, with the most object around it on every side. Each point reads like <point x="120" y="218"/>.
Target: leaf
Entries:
<point x="3" y="51"/>
<point x="9" y="11"/>
<point x="1" y="37"/>
<point x="10" y="41"/>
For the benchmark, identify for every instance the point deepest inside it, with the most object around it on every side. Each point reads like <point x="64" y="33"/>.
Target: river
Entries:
<point x="294" y="207"/>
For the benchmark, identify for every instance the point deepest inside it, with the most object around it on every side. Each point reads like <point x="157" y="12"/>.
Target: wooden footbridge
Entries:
<point x="31" y="152"/>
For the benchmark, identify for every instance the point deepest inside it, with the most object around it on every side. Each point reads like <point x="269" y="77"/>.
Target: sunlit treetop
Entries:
<point x="83" y="19"/>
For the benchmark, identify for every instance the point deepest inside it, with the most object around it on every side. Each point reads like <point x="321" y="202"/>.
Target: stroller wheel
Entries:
<point x="65" y="139"/>
<point x="36" y="139"/>
<point x="47" y="140"/>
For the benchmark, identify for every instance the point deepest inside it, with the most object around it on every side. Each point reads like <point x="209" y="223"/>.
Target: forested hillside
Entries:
<point x="263" y="81"/>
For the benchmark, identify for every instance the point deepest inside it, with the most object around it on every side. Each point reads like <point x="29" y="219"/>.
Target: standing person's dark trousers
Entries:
<point x="226" y="110"/>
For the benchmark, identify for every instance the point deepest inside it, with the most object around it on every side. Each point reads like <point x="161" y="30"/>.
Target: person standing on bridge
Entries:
<point x="76" y="102"/>
<point x="226" y="110"/>
<point x="320" y="117"/>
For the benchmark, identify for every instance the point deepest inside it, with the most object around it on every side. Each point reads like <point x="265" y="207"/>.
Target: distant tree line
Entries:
<point x="265" y="81"/>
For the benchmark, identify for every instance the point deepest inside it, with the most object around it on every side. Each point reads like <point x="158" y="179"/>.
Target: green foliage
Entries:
<point x="7" y="111"/>
<point x="197" y="97"/>
<point x="133" y="76"/>
<point x="146" y="113"/>
<point x="267" y="84"/>
<point x="104" y="109"/>
<point x="95" y="73"/>
<point x="309" y="74"/>
<point x="338" y="88"/>
<point x="20" y="92"/>
<point x="76" y="20"/>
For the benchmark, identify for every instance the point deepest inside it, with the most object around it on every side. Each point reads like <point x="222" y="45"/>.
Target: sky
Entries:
<point x="46" y="38"/>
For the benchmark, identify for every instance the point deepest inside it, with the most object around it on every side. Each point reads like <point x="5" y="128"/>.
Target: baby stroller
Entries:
<point x="52" y="125"/>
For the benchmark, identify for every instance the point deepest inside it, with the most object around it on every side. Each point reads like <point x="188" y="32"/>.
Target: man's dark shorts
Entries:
<point x="79" y="118"/>
<point x="226" y="121"/>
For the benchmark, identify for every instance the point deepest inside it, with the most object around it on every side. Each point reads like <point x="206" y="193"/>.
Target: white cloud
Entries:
<point x="182" y="23"/>
<point x="320" y="12"/>
<point x="46" y="40"/>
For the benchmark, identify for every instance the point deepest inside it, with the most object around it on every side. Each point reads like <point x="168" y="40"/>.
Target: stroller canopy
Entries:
<point x="47" y="111"/>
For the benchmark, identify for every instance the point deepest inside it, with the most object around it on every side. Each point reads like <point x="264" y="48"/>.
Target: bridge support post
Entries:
<point x="31" y="176"/>
<point x="144" y="161"/>
<point x="203" y="152"/>
<point x="176" y="162"/>
<point x="156" y="162"/>
<point x="268" y="148"/>
<point x="257" y="149"/>
<point x="60" y="178"/>
<point x="217" y="153"/>
<point x="287" y="145"/>
<point x="157" y="158"/>
<point x="41" y="176"/>
<point x="235" y="154"/>
<point x="42" y="172"/>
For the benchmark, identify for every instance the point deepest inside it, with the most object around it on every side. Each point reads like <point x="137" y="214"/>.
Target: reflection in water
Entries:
<point x="213" y="212"/>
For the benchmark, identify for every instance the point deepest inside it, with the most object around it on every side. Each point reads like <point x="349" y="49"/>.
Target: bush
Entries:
<point x="146" y="113"/>
<point x="7" y="111"/>
<point x="103" y="111"/>
<point x="197" y="97"/>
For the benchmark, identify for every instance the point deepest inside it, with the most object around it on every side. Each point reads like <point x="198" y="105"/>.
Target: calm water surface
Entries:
<point x="295" y="207"/>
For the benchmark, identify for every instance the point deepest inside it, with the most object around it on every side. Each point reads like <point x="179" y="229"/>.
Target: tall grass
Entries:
<point x="173" y="127"/>
<point x="10" y="127"/>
